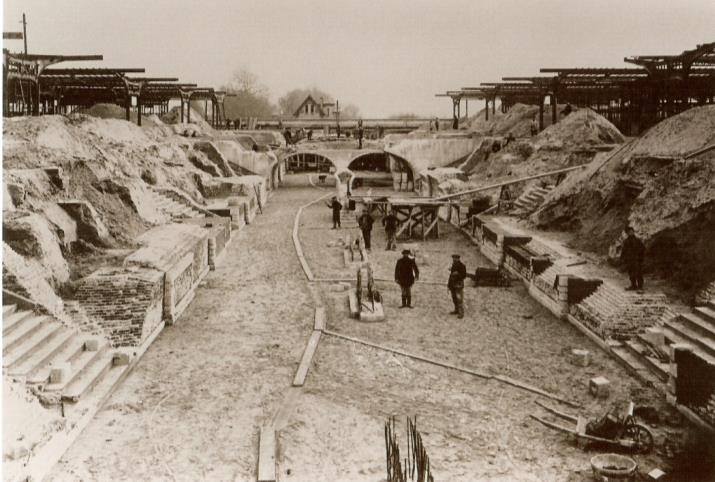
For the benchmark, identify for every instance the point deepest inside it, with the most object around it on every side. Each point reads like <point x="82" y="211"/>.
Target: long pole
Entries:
<point x="24" y="32"/>
<point x="506" y="183"/>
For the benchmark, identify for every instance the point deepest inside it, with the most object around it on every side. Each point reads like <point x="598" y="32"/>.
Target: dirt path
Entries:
<point x="192" y="407"/>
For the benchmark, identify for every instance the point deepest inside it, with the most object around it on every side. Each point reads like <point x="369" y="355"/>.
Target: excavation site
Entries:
<point x="358" y="241"/>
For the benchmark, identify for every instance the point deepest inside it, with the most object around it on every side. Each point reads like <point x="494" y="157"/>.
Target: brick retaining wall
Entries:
<point x="125" y="302"/>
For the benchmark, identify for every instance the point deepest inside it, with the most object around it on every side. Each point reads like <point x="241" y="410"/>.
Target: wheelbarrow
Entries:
<point x="623" y="432"/>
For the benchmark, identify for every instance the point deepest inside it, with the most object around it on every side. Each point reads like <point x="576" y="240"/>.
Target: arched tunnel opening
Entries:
<point x="307" y="162"/>
<point x="373" y="169"/>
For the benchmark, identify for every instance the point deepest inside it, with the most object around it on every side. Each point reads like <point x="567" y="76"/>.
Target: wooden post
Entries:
<point x="541" y="114"/>
<point x="486" y="109"/>
<point x="554" y="109"/>
<point x="182" y="110"/>
<point x="139" y="110"/>
<point x="128" y="106"/>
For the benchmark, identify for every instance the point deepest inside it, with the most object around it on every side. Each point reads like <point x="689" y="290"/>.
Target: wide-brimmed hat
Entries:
<point x="405" y="251"/>
<point x="455" y="256"/>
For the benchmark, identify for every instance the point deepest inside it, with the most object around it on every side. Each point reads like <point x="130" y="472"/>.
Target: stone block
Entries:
<point x="580" y="357"/>
<point x="60" y="372"/>
<point x="120" y="359"/>
<point x="92" y="344"/>
<point x="654" y="336"/>
<point x="656" y="474"/>
<point x="599" y="387"/>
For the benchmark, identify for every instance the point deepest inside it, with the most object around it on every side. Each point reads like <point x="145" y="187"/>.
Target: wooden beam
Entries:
<point x="305" y="362"/>
<point x="267" y="454"/>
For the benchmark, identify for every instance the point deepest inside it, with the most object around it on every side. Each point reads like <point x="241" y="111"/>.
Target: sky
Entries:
<point x="385" y="56"/>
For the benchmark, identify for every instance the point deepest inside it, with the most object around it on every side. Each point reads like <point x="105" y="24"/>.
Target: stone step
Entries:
<point x="711" y="304"/>
<point x="43" y="355"/>
<point x="24" y="329"/>
<point x="676" y="337"/>
<point x="700" y="325"/>
<point x="657" y="368"/>
<point x="13" y="320"/>
<point x="88" y="378"/>
<point x="69" y="352"/>
<point x="685" y="330"/>
<point x="634" y="365"/>
<point x="30" y="344"/>
<point x="706" y="313"/>
<point x="8" y="309"/>
<point x="80" y="364"/>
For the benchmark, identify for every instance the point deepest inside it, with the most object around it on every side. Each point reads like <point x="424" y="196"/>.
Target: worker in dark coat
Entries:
<point x="335" y="205"/>
<point x="390" y="222"/>
<point x="632" y="255"/>
<point x="457" y="274"/>
<point x="365" y="222"/>
<point x="406" y="273"/>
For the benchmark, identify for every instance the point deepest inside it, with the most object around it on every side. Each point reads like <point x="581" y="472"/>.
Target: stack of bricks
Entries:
<point x="126" y="302"/>
<point x="610" y="312"/>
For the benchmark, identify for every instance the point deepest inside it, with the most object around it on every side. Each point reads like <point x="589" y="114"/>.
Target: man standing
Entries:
<point x="365" y="222"/>
<point x="406" y="273"/>
<point x="457" y="273"/>
<point x="335" y="205"/>
<point x="632" y="255"/>
<point x="390" y="222"/>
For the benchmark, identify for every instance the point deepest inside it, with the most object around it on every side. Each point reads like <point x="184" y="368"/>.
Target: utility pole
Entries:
<point x="337" y="117"/>
<point x="24" y="32"/>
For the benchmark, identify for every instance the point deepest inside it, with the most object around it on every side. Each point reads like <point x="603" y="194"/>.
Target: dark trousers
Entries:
<point x="336" y="220"/>
<point x="458" y="300"/>
<point x="391" y="240"/>
<point x="635" y="273"/>
<point x="406" y="295"/>
<point x="366" y="237"/>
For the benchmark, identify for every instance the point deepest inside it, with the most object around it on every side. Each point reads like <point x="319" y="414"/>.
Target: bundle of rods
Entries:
<point x="416" y="466"/>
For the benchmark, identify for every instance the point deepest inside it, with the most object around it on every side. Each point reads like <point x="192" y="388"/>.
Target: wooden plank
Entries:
<point x="531" y="388"/>
<point x="319" y="318"/>
<point x="305" y="362"/>
<point x="267" y="454"/>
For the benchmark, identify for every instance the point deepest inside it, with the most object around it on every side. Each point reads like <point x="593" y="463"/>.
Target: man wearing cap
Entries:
<point x="406" y="273"/>
<point x="632" y="255"/>
<point x="335" y="205"/>
<point x="457" y="273"/>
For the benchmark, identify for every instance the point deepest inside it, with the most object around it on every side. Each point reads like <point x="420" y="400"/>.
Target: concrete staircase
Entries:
<point x="174" y="208"/>
<point x="696" y="329"/>
<point x="530" y="200"/>
<point x="35" y="345"/>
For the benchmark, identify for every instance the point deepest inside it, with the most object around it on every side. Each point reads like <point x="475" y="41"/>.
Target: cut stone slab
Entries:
<point x="580" y="357"/>
<point x="599" y="387"/>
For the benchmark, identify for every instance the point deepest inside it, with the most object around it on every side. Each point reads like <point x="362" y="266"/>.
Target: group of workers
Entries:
<point x="406" y="270"/>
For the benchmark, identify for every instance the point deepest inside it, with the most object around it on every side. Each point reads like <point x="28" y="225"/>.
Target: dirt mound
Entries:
<point x="569" y="142"/>
<point x="104" y="111"/>
<point x="680" y="134"/>
<point x="174" y="117"/>
<point x="670" y="202"/>
<point x="583" y="127"/>
<point x="517" y="121"/>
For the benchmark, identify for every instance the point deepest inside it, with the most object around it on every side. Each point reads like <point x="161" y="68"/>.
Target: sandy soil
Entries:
<point x="192" y="407"/>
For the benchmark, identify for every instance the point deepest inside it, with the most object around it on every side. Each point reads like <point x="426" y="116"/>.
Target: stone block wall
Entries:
<point x="125" y="302"/>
